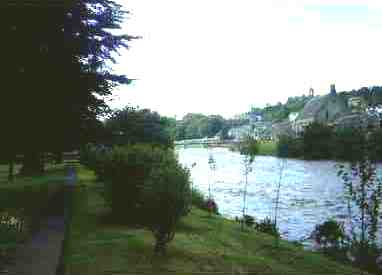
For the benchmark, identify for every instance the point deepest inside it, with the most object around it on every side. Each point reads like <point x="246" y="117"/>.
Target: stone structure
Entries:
<point x="335" y="110"/>
<point x="311" y="92"/>
<point x="333" y="90"/>
<point x="323" y="109"/>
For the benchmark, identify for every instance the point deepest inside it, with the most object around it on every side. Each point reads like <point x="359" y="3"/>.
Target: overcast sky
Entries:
<point x="223" y="56"/>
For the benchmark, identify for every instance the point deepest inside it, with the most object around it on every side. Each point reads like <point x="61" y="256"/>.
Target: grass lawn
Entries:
<point x="267" y="149"/>
<point x="201" y="244"/>
<point x="53" y="174"/>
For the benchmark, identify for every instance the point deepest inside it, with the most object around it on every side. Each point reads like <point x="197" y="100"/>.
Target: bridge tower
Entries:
<point x="311" y="92"/>
<point x="333" y="90"/>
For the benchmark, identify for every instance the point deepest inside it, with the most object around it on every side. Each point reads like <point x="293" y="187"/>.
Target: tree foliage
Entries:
<point x="143" y="184"/>
<point x="55" y="73"/>
<point x="329" y="234"/>
<point x="322" y="142"/>
<point x="194" y="126"/>
<point x="131" y="125"/>
<point x="317" y="141"/>
<point x="281" y="111"/>
<point x="167" y="197"/>
<point x="364" y="195"/>
<point x="248" y="149"/>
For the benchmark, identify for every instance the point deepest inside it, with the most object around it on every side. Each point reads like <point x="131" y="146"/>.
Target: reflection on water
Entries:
<point x="311" y="192"/>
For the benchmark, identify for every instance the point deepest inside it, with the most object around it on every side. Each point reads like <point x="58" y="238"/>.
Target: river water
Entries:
<point x="311" y="192"/>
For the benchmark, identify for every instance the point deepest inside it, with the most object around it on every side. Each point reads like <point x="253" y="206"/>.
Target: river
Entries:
<point x="311" y="191"/>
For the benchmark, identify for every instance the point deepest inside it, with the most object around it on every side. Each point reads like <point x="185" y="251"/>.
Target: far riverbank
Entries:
<point x="265" y="148"/>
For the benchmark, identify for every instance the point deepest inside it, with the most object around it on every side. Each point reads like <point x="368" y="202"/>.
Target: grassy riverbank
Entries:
<point x="201" y="244"/>
<point x="267" y="149"/>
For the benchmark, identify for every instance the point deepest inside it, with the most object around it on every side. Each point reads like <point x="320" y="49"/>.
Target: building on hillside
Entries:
<point x="367" y="120"/>
<point x="356" y="104"/>
<point x="254" y="117"/>
<point x="282" y="128"/>
<point x="300" y="125"/>
<point x="293" y="116"/>
<point x="348" y="121"/>
<point x="323" y="109"/>
<point x="262" y="130"/>
<point x="238" y="133"/>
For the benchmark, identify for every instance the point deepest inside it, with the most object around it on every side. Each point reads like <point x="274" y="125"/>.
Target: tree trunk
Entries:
<point x="58" y="157"/>
<point x="160" y="245"/>
<point x="33" y="164"/>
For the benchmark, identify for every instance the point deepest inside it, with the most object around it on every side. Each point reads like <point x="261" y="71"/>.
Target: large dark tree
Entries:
<point x="54" y="73"/>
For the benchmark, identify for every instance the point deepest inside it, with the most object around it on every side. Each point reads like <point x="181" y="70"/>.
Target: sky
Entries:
<point x="224" y="56"/>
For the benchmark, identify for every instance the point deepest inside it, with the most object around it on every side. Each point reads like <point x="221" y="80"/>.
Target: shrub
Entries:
<point x="95" y="157"/>
<point x="166" y="197"/>
<point x="347" y="143"/>
<point x="212" y="206"/>
<point x="267" y="226"/>
<point x="318" y="141"/>
<point x="289" y="147"/>
<point x="124" y="171"/>
<point x="249" y="220"/>
<point x="200" y="201"/>
<point x="329" y="233"/>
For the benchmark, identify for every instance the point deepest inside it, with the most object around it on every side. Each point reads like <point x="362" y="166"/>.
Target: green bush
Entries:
<point x="347" y="144"/>
<point x="199" y="200"/>
<point x="95" y="157"/>
<point x="249" y="146"/>
<point x="267" y="226"/>
<point x="290" y="147"/>
<point x="330" y="233"/>
<point x="249" y="220"/>
<point x="144" y="184"/>
<point x="318" y="141"/>
<point x="166" y="198"/>
<point x="123" y="172"/>
<point x="376" y="141"/>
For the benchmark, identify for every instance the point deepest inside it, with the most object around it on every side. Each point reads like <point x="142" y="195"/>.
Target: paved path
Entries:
<point x="41" y="254"/>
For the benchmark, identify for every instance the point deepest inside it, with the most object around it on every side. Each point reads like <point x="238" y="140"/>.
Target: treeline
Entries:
<point x="320" y="141"/>
<point x="199" y="126"/>
<point x="281" y="111"/>
<point x="132" y="125"/>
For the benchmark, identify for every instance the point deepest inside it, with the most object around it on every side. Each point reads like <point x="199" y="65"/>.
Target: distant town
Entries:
<point x="357" y="108"/>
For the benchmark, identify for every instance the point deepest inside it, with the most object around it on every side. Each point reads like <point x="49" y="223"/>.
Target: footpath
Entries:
<point x="41" y="255"/>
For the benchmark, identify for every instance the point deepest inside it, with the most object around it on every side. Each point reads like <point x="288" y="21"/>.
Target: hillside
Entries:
<point x="336" y="106"/>
<point x="201" y="244"/>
